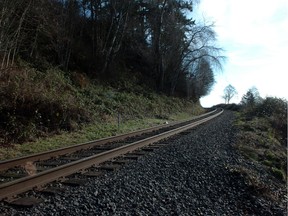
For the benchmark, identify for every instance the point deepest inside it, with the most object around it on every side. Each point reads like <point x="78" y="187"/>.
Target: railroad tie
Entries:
<point x="26" y="202"/>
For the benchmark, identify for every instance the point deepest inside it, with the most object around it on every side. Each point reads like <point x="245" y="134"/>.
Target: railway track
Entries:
<point x="35" y="171"/>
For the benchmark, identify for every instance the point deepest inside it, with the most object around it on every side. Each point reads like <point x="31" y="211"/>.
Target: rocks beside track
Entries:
<point x="192" y="175"/>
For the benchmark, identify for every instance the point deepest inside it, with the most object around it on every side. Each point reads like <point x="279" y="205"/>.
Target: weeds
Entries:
<point x="87" y="133"/>
<point x="262" y="138"/>
<point x="35" y="105"/>
<point x="279" y="174"/>
<point x="255" y="184"/>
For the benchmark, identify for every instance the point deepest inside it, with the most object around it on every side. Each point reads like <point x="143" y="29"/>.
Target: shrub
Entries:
<point x="33" y="102"/>
<point x="264" y="129"/>
<point x="275" y="109"/>
<point x="271" y="106"/>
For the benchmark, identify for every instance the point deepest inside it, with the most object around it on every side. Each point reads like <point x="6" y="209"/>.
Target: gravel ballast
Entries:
<point x="189" y="176"/>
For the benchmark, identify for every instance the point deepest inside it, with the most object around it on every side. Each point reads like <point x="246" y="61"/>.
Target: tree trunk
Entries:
<point x="115" y="44"/>
<point x="18" y="32"/>
<point x="157" y="48"/>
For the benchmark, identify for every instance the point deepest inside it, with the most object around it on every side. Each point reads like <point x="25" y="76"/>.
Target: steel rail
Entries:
<point x="13" y="188"/>
<point x="4" y="165"/>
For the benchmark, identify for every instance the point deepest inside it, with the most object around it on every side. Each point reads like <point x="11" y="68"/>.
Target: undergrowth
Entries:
<point x="262" y="138"/>
<point x="40" y="110"/>
<point x="263" y="135"/>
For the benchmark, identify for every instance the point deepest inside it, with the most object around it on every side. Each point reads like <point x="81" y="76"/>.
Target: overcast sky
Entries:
<point x="254" y="35"/>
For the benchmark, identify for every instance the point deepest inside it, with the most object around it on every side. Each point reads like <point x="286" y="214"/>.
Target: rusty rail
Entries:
<point x="4" y="165"/>
<point x="10" y="189"/>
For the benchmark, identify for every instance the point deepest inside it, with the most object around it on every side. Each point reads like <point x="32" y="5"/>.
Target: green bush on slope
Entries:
<point x="263" y="135"/>
<point x="36" y="104"/>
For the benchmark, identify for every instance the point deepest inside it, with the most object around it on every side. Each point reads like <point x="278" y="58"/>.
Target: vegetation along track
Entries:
<point x="80" y="157"/>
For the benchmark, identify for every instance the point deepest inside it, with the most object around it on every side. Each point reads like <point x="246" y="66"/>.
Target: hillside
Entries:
<point x="39" y="106"/>
<point x="65" y="65"/>
<point x="158" y="42"/>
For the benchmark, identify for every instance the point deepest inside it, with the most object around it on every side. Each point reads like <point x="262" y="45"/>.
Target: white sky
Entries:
<point x="254" y="35"/>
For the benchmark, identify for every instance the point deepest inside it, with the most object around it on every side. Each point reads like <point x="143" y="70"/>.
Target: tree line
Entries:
<point x="155" y="40"/>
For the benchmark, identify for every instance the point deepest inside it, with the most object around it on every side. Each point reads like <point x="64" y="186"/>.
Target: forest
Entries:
<point x="68" y="62"/>
<point x="158" y="41"/>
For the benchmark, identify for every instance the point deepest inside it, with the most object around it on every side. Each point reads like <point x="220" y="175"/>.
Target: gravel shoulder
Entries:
<point x="200" y="173"/>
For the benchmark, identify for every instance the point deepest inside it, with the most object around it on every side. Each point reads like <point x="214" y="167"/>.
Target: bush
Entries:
<point x="232" y="107"/>
<point x="272" y="106"/>
<point x="265" y="126"/>
<point x="33" y="102"/>
<point x="275" y="110"/>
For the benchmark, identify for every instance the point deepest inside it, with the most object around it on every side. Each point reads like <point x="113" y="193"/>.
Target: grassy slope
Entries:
<point x="87" y="133"/>
<point x="258" y="141"/>
<point x="46" y="110"/>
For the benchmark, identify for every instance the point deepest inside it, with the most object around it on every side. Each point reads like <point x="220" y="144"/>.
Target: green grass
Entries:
<point x="258" y="141"/>
<point x="45" y="110"/>
<point x="87" y="133"/>
<point x="279" y="173"/>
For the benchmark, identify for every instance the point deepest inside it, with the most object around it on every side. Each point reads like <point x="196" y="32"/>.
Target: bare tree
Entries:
<point x="229" y="93"/>
<point x="202" y="80"/>
<point x="12" y="17"/>
<point x="199" y="47"/>
<point x="154" y="38"/>
<point x="156" y="18"/>
<point x="119" y="17"/>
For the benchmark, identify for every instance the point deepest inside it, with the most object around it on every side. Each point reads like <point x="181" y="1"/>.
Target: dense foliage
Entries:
<point x="263" y="136"/>
<point x="56" y="56"/>
<point x="36" y="104"/>
<point x="155" y="40"/>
